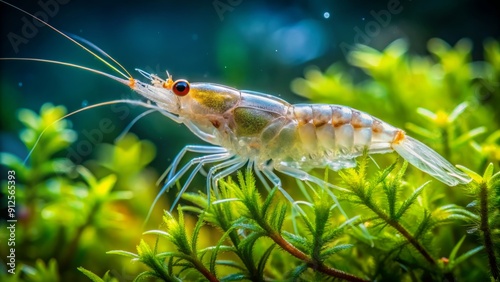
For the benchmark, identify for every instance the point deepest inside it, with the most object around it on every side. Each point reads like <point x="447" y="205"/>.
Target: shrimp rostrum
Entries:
<point x="264" y="132"/>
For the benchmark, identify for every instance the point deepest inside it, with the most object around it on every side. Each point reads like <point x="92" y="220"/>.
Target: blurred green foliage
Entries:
<point x="391" y="224"/>
<point x="68" y="215"/>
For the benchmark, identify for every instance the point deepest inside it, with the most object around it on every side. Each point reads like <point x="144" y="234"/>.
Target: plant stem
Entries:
<point x="413" y="241"/>
<point x="446" y="143"/>
<point x="68" y="256"/>
<point x="235" y="239"/>
<point x="317" y="265"/>
<point x="402" y="230"/>
<point x="158" y="267"/>
<point x="485" y="228"/>
<point x="203" y="270"/>
<point x="255" y="213"/>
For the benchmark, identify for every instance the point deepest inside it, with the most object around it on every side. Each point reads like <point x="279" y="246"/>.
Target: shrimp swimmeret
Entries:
<point x="268" y="134"/>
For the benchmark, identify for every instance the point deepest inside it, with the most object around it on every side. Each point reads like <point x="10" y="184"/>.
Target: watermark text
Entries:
<point x="11" y="221"/>
<point x="29" y="29"/>
<point x="223" y="6"/>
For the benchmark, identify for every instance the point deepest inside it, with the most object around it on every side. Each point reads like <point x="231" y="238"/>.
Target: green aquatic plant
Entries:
<point x="392" y="235"/>
<point x="486" y="191"/>
<point x="65" y="213"/>
<point x="250" y="230"/>
<point x="387" y="221"/>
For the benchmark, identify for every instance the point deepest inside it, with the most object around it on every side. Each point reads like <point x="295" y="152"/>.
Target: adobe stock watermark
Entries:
<point x="29" y="29"/>
<point x="224" y="6"/>
<point x="93" y="137"/>
<point x="11" y="221"/>
<point x="372" y="28"/>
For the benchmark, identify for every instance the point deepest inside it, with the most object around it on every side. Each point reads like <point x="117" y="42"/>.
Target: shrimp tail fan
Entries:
<point x="427" y="160"/>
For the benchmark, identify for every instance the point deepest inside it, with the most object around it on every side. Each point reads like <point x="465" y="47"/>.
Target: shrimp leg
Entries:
<point x="260" y="176"/>
<point x="212" y="182"/>
<point x="300" y="174"/>
<point x="202" y="149"/>
<point x="269" y="173"/>
<point x="203" y="160"/>
<point x="206" y="160"/>
<point x="229" y="167"/>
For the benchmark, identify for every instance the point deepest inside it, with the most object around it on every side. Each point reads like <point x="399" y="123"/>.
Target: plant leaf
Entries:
<point x="91" y="275"/>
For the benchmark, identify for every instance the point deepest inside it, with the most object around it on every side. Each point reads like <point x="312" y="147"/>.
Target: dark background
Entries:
<point x="257" y="45"/>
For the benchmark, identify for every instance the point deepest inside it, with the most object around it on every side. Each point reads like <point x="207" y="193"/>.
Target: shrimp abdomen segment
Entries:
<point x="319" y="135"/>
<point x="342" y="131"/>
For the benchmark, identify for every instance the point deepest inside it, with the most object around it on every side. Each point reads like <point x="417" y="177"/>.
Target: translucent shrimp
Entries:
<point x="276" y="135"/>
<point x="271" y="135"/>
<point x="268" y="134"/>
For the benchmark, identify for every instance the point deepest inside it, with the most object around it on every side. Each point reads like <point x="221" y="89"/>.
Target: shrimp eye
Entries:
<point x="181" y="88"/>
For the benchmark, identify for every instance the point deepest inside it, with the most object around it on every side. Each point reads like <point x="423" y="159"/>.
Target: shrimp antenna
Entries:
<point x="134" y="121"/>
<point x="129" y="82"/>
<point x="132" y="102"/>
<point x="77" y="43"/>
<point x="95" y="47"/>
<point x="123" y="81"/>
